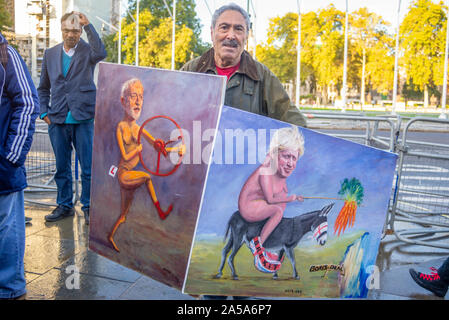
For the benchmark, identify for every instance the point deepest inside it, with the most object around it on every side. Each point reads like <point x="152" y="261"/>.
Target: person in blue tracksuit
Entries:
<point x="18" y="111"/>
<point x="67" y="95"/>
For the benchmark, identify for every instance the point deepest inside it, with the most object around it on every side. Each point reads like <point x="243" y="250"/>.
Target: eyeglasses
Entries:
<point x="134" y="96"/>
<point x="67" y="31"/>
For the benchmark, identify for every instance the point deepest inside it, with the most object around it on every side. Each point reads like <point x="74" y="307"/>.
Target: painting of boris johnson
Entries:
<point x="146" y="184"/>
<point x="288" y="212"/>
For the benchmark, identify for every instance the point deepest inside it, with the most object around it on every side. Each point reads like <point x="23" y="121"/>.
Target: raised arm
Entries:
<point x="150" y="139"/>
<point x="98" y="51"/>
<point x="181" y="149"/>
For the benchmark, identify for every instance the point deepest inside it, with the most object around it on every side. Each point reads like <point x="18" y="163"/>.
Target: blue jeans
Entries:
<point x="12" y="245"/>
<point x="62" y="136"/>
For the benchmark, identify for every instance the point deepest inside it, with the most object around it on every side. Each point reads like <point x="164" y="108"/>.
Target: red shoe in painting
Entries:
<point x="264" y="261"/>
<point x="273" y="256"/>
<point x="163" y="214"/>
<point x="263" y="265"/>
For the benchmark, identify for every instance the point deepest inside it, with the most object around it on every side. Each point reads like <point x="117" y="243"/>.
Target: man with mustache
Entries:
<point x="251" y="85"/>
<point x="67" y="96"/>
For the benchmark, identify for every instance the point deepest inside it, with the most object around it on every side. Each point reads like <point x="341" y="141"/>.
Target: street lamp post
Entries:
<point x="137" y="33"/>
<point x="120" y="32"/>
<point x="298" y="58"/>
<point x="396" y="55"/>
<point x="443" y="114"/>
<point x="173" y="37"/>
<point x="345" y="64"/>
<point x="254" y="28"/>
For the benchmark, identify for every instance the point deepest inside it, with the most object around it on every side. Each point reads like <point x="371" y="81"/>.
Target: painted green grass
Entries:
<point x="206" y="257"/>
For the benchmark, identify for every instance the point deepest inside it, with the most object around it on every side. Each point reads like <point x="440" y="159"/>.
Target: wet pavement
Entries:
<point x="54" y="251"/>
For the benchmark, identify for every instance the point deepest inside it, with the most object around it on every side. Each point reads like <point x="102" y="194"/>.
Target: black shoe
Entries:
<point x="28" y="220"/>
<point x="59" y="213"/>
<point x="431" y="282"/>
<point x="86" y="216"/>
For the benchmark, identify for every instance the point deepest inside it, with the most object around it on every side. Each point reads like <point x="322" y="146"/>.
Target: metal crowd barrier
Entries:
<point x="41" y="167"/>
<point x="379" y="132"/>
<point x="421" y="199"/>
<point x="420" y="189"/>
<point x="419" y="207"/>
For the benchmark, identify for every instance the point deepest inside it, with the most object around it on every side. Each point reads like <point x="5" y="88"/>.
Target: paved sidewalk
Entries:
<point x="396" y="284"/>
<point x="53" y="249"/>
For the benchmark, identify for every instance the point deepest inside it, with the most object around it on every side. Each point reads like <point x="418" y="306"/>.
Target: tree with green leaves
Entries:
<point x="371" y="52"/>
<point x="185" y="12"/>
<point x="155" y="34"/>
<point x="5" y="18"/>
<point x="279" y="53"/>
<point x="380" y="66"/>
<point x="423" y="33"/>
<point x="321" y="48"/>
<point x="328" y="60"/>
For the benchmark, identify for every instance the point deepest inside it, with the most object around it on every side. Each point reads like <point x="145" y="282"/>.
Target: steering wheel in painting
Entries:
<point x="160" y="145"/>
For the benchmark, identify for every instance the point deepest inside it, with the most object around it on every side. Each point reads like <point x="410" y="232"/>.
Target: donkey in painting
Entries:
<point x="282" y="240"/>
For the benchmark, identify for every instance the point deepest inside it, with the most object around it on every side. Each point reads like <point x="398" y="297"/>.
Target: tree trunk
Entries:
<point x="362" y="87"/>
<point x="324" y="95"/>
<point x="426" y="97"/>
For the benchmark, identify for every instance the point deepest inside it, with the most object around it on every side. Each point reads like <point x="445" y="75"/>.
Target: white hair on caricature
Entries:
<point x="287" y="138"/>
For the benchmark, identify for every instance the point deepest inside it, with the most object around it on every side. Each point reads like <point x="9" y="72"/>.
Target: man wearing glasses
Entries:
<point x="67" y="95"/>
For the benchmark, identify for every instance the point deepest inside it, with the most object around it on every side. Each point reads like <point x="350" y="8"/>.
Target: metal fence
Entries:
<point x="419" y="207"/>
<point x="379" y="132"/>
<point x="41" y="168"/>
<point x="421" y="197"/>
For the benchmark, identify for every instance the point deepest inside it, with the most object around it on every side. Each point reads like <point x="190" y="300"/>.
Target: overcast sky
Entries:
<point x="266" y="9"/>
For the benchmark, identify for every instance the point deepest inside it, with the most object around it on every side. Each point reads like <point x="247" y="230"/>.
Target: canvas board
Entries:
<point x="343" y="266"/>
<point x="174" y="104"/>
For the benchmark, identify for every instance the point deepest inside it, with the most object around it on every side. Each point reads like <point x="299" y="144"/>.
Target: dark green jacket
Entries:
<point x="253" y="87"/>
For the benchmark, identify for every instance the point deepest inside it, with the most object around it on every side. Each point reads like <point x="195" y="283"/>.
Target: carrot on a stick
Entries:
<point x="352" y="192"/>
<point x="354" y="208"/>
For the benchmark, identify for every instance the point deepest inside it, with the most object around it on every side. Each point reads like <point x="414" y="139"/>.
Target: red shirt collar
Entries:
<point x="228" y="72"/>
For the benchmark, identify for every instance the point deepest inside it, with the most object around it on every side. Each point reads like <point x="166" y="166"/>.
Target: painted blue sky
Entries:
<point x="326" y="162"/>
